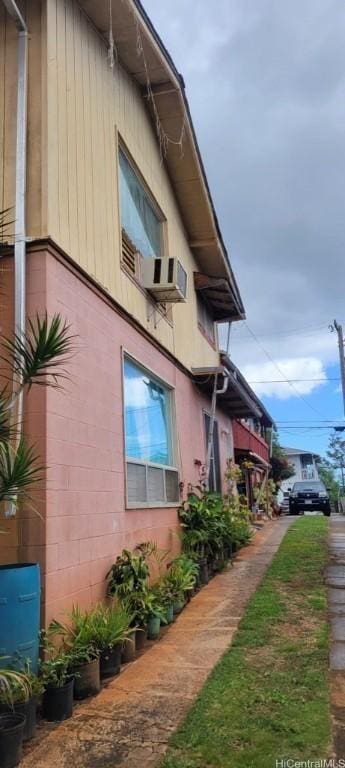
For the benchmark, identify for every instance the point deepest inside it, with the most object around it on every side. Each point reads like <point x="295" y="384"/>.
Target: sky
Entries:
<point x="265" y="80"/>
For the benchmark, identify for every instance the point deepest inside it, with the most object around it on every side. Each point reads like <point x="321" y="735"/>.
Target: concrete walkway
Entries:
<point x="130" y="722"/>
<point x="335" y="579"/>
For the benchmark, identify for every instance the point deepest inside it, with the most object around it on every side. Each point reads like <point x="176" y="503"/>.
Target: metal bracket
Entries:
<point x="153" y="311"/>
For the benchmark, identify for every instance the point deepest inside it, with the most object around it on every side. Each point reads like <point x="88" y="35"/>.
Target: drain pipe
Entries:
<point x="212" y="420"/>
<point x="20" y="227"/>
<point x="20" y="204"/>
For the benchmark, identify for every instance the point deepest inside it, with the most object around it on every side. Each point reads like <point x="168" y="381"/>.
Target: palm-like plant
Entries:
<point x="37" y="357"/>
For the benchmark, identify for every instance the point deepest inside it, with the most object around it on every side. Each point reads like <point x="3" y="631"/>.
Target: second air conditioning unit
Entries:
<point x="164" y="278"/>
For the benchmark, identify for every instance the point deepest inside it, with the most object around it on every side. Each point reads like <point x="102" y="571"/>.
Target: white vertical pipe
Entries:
<point x="20" y="202"/>
<point x="20" y="172"/>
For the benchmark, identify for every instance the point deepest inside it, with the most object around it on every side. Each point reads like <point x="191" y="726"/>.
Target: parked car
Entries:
<point x="285" y="503"/>
<point x="309" y="494"/>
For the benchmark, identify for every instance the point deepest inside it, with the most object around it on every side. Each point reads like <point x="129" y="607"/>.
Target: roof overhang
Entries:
<point x="234" y="400"/>
<point x="184" y="166"/>
<point x="217" y="293"/>
<point x="265" y="418"/>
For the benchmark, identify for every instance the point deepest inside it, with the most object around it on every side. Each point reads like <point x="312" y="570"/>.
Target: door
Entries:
<point x="214" y="479"/>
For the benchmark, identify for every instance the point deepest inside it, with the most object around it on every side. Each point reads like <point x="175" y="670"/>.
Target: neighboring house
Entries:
<point x="304" y="464"/>
<point x="107" y="192"/>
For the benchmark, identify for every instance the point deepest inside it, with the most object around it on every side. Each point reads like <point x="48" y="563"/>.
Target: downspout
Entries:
<point x="212" y="420"/>
<point x="20" y="202"/>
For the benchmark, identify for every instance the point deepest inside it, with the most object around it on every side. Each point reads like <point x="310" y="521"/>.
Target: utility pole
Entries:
<point x="339" y="330"/>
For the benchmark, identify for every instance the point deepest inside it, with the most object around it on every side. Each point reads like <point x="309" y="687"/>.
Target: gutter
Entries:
<point x="20" y="202"/>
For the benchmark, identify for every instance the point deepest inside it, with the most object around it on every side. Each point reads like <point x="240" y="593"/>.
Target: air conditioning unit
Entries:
<point x="164" y="278"/>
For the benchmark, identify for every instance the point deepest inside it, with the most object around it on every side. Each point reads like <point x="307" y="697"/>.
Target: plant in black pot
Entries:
<point x="128" y="581"/>
<point x="56" y="675"/>
<point x="78" y="640"/>
<point x="12" y="723"/>
<point x="21" y="696"/>
<point x="111" y="628"/>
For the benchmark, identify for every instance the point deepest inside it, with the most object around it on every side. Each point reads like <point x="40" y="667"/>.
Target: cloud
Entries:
<point x="267" y="380"/>
<point x="266" y="85"/>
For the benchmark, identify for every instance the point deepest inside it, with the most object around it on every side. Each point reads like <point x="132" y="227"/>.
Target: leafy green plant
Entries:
<point x="14" y="686"/>
<point x="55" y="668"/>
<point x="111" y="625"/>
<point x="181" y="576"/>
<point x="128" y="575"/>
<point x="77" y="635"/>
<point x="154" y="606"/>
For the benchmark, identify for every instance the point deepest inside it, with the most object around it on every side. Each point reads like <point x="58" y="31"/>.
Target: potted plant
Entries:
<point x="111" y="627"/>
<point x="154" y="613"/>
<point x="167" y="599"/>
<point x="21" y="696"/>
<point x="58" y="681"/>
<point x="182" y="578"/>
<point x="11" y="739"/>
<point x="12" y="723"/>
<point x="78" y="640"/>
<point x="128" y="581"/>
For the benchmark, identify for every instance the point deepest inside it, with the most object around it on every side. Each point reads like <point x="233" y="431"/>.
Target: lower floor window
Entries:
<point x="152" y="477"/>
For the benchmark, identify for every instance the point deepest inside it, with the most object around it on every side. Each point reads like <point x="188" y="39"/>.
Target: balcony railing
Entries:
<point x="308" y="474"/>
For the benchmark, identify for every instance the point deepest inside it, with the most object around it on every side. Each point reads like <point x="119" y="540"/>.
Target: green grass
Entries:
<point x="268" y="697"/>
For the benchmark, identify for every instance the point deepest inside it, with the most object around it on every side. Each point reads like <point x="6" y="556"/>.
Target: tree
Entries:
<point x="36" y="358"/>
<point x="327" y="474"/>
<point x="336" y="454"/>
<point x="280" y="467"/>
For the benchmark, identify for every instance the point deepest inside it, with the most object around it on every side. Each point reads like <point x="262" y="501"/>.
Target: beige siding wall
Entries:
<point x="36" y="147"/>
<point x="77" y="109"/>
<point x="89" y="105"/>
<point x="8" y="80"/>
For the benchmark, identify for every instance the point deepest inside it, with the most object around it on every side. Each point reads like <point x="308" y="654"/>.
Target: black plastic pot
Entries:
<point x="87" y="681"/>
<point x="128" y="649"/>
<point x="57" y="702"/>
<point x="11" y="739"/>
<point x="26" y="708"/>
<point x="203" y="570"/>
<point x="140" y="639"/>
<point x="110" y="661"/>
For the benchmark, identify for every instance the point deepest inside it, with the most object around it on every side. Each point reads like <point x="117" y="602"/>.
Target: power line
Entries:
<point x="281" y="373"/>
<point x="280" y="381"/>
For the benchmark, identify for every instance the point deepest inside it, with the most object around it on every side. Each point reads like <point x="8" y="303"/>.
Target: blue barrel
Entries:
<point x="19" y="614"/>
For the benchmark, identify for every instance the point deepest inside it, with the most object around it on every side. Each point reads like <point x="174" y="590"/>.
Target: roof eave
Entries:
<point x="192" y="192"/>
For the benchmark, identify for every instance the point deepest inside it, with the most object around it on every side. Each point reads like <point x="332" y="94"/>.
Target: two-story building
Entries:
<point x="116" y="230"/>
<point x="304" y="464"/>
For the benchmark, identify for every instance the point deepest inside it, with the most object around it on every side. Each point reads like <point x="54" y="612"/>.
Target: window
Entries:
<point x="214" y="479"/>
<point x="152" y="479"/>
<point x="140" y="222"/>
<point x="205" y="319"/>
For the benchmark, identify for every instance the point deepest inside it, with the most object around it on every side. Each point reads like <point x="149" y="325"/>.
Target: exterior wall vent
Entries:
<point x="129" y="256"/>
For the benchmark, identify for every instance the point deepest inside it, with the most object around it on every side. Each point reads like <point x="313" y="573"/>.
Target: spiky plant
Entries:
<point x="36" y="358"/>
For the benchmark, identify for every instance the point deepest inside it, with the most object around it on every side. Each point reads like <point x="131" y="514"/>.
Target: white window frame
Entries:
<point x="173" y="437"/>
<point x="161" y="218"/>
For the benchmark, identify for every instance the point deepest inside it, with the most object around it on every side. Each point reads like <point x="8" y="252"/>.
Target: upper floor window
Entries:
<point x="149" y="438"/>
<point x="140" y="222"/>
<point x="205" y="319"/>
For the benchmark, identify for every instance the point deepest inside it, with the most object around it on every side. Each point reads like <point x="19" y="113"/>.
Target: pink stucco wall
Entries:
<point x="81" y="430"/>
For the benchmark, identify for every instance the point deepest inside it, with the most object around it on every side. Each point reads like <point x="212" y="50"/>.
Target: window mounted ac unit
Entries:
<point x="165" y="279"/>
